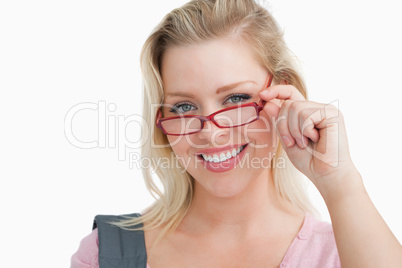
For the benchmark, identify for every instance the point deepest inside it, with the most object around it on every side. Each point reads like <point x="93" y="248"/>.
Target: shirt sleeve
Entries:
<point x="88" y="251"/>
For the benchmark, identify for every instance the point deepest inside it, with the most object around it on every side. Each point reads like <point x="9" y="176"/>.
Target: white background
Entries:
<point x="57" y="54"/>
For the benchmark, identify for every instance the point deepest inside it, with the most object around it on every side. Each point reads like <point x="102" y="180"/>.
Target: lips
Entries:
<point x="219" y="150"/>
<point x="222" y="156"/>
<point x="222" y="159"/>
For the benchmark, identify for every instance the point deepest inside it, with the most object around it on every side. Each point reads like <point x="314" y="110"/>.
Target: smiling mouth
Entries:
<point x="222" y="156"/>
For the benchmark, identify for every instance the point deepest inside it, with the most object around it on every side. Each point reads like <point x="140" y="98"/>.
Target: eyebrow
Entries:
<point x="234" y="85"/>
<point x="218" y="91"/>
<point x="180" y="94"/>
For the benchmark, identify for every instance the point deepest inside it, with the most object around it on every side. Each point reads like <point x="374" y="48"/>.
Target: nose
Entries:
<point x="212" y="133"/>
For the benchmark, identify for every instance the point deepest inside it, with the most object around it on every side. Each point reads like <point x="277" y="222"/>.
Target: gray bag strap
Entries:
<point x="119" y="247"/>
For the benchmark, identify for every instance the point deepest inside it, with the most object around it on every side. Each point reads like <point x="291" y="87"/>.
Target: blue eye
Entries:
<point x="182" y="108"/>
<point x="236" y="98"/>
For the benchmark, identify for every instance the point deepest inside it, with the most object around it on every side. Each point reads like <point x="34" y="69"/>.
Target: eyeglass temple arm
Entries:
<point x="271" y="77"/>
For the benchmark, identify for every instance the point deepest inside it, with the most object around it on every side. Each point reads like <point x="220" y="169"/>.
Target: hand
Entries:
<point x="312" y="134"/>
<point x="314" y="137"/>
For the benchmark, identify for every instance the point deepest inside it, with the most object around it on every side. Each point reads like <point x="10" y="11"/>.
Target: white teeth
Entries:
<point x="223" y="156"/>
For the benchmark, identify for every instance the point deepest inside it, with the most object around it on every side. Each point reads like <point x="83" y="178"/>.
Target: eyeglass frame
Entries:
<point x="203" y="119"/>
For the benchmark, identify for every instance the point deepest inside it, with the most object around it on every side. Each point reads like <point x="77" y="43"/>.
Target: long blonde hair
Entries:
<point x="195" y="22"/>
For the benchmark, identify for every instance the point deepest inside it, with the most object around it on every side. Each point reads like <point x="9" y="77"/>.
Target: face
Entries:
<point x="201" y="79"/>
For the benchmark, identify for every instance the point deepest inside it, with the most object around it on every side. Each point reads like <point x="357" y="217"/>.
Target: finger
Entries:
<point x="310" y="132"/>
<point x="272" y="109"/>
<point x="317" y="114"/>
<point x="282" y="125"/>
<point x="307" y="117"/>
<point x="295" y="108"/>
<point x="284" y="92"/>
<point x="328" y="115"/>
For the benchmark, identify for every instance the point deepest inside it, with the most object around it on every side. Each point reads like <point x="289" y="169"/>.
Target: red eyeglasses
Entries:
<point x="230" y="117"/>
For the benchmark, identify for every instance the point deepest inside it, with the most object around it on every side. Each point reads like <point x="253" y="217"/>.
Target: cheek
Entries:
<point x="262" y="131"/>
<point x="181" y="145"/>
<point x="176" y="144"/>
<point x="184" y="152"/>
<point x="179" y="149"/>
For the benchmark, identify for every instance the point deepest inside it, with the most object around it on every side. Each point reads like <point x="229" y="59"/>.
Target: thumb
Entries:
<point x="272" y="109"/>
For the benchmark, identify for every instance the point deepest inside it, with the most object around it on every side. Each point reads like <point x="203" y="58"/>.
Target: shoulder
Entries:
<point x="107" y="240"/>
<point x="314" y="245"/>
<point x="87" y="254"/>
<point x="318" y="231"/>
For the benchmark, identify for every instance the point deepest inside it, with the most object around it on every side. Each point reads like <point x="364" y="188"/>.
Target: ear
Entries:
<point x="284" y="82"/>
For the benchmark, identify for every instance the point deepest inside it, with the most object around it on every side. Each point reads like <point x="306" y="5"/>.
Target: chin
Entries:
<point x="227" y="184"/>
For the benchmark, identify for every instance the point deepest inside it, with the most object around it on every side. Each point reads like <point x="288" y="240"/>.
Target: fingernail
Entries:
<point x="305" y="141"/>
<point x="286" y="141"/>
<point x="265" y="92"/>
<point x="299" y="143"/>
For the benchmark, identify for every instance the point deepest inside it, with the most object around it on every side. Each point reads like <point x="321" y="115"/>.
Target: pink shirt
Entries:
<point x="314" y="246"/>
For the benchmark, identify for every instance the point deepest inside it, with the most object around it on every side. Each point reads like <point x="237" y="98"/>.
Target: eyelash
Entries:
<point x="177" y="106"/>
<point x="181" y="104"/>
<point x="243" y="96"/>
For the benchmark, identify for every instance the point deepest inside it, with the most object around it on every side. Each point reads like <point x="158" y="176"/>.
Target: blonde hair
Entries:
<point x="196" y="22"/>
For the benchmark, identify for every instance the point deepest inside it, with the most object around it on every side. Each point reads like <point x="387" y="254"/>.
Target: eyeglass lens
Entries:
<point x="226" y="119"/>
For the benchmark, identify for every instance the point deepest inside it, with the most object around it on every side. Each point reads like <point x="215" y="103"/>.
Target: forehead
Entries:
<point x="198" y="68"/>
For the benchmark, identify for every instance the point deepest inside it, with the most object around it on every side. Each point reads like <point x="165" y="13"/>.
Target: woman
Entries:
<point x="231" y="109"/>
